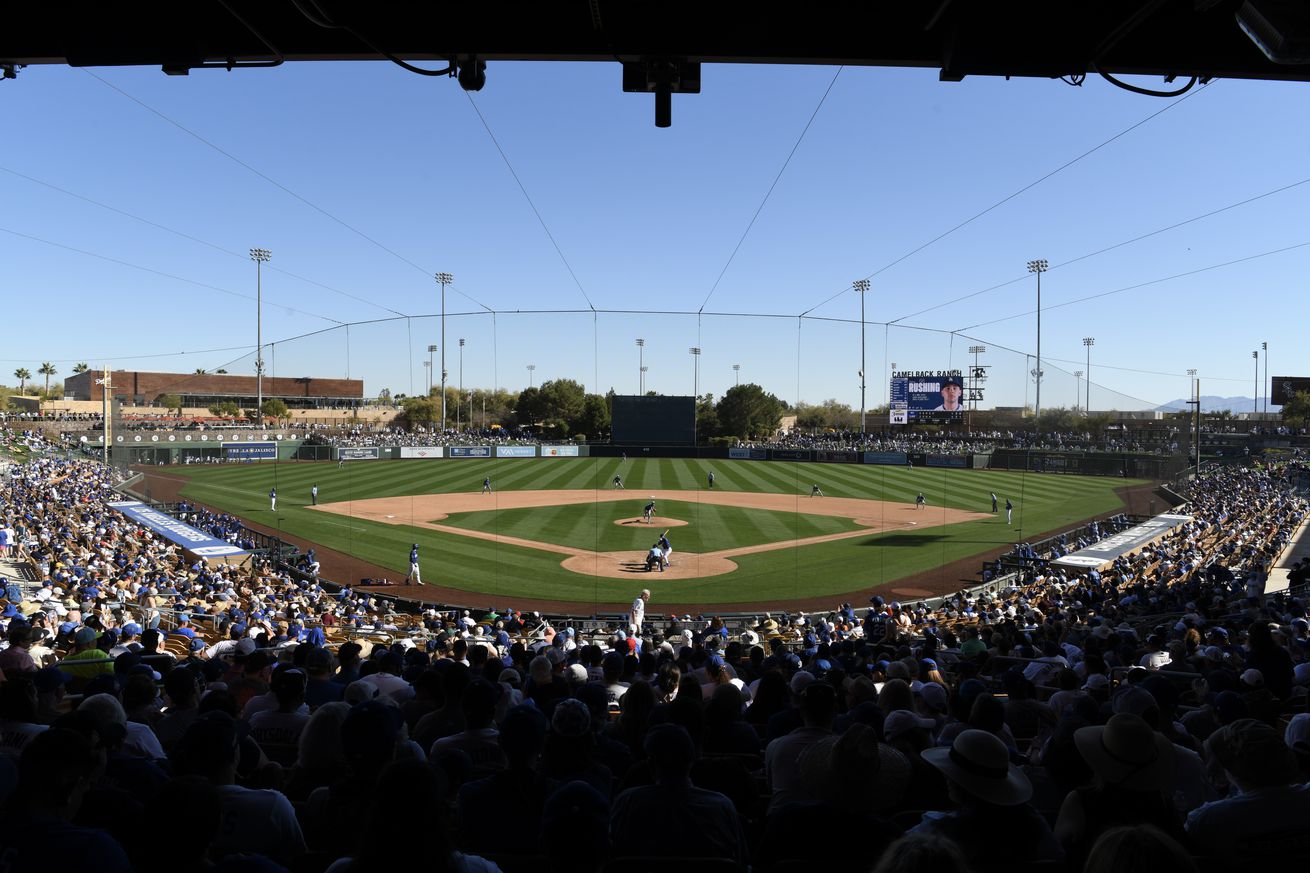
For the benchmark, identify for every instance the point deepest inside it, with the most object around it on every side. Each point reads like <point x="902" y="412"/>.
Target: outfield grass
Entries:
<point x="501" y="572"/>
<point x="709" y="526"/>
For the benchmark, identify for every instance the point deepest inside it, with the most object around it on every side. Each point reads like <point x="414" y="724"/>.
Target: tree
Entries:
<point x="531" y="407"/>
<point x="22" y="374"/>
<point x="47" y="369"/>
<point x="201" y="371"/>
<point x="419" y="410"/>
<point x="275" y="409"/>
<point x="748" y="410"/>
<point x="81" y="367"/>
<point x="170" y="402"/>
<point x="221" y="372"/>
<point x="594" y="419"/>
<point x="384" y="397"/>
<point x="1296" y="411"/>
<point x="225" y="409"/>
<point x="564" y="398"/>
<point x="707" y="418"/>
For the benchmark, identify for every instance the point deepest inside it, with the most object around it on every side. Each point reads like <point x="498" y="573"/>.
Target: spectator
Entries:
<point x="818" y="704"/>
<point x="992" y="796"/>
<point x="672" y="817"/>
<point x="1133" y="768"/>
<point x="54" y="773"/>
<point x="1267" y="814"/>
<point x="1138" y="849"/>
<point x="256" y="822"/>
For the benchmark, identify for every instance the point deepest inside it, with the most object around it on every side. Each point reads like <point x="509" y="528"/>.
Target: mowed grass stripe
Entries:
<point x="1044" y="502"/>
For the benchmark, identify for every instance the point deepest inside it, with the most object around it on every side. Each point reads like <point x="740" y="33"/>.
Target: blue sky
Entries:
<point x="647" y="219"/>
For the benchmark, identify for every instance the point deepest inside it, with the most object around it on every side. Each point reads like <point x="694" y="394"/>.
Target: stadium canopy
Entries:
<point x="662" y="45"/>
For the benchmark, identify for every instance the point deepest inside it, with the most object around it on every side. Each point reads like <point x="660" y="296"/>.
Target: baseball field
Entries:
<point x="556" y="530"/>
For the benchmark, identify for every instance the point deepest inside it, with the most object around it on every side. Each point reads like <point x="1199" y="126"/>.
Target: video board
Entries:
<point x="927" y="396"/>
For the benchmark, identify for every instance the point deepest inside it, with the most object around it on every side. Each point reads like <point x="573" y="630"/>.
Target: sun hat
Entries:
<point x="1127" y="753"/>
<point x="902" y="721"/>
<point x="979" y="764"/>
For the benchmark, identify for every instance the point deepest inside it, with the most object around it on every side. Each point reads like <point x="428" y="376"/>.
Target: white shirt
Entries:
<point x="639" y="609"/>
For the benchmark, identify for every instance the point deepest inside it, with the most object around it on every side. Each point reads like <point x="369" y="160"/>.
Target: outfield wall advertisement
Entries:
<point x="895" y="459"/>
<point x="359" y="453"/>
<point x="197" y="542"/>
<point x="250" y="450"/>
<point x="946" y="461"/>
<point x="837" y="457"/>
<point x="559" y="451"/>
<point x="421" y="451"/>
<point x="470" y="451"/>
<point x="742" y="453"/>
<point x="516" y="451"/>
<point x="927" y="396"/>
<point x="789" y="454"/>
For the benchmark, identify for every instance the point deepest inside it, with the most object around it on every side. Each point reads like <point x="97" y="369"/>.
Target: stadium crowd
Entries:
<point x="157" y="711"/>
<point x="1165" y="442"/>
<point x="420" y="436"/>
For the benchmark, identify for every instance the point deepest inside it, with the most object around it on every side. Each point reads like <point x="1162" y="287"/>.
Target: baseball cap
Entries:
<point x="800" y="681"/>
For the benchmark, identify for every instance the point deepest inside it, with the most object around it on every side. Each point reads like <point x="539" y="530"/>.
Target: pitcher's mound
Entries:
<point x="626" y="565"/>
<point x="657" y="525"/>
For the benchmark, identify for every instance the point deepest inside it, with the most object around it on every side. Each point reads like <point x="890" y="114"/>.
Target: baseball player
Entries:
<point x="413" y="566"/>
<point x="655" y="558"/>
<point x="341" y="462"/>
<point x="666" y="549"/>
<point x="649" y="510"/>
<point x="313" y="496"/>
<point x="992" y="494"/>
<point x="1009" y="511"/>
<point x="920" y="501"/>
<point x="272" y="500"/>
<point x="486" y="484"/>
<point x="815" y="490"/>
<point x="710" y="478"/>
<point x="618" y="482"/>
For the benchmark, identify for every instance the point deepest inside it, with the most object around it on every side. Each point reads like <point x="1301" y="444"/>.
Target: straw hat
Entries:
<point x="1127" y="753"/>
<point x="979" y="763"/>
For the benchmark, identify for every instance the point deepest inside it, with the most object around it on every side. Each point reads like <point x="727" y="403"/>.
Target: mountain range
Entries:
<point x="1212" y="403"/>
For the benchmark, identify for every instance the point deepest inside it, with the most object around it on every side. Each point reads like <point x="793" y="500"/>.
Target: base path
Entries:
<point x="425" y="510"/>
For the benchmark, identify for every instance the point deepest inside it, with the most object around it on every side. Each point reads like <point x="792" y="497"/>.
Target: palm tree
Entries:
<point x="81" y="367"/>
<point x="47" y="369"/>
<point x="200" y="371"/>
<point x="22" y="374"/>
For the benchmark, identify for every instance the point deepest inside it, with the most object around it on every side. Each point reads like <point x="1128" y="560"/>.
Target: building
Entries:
<point x="136" y="388"/>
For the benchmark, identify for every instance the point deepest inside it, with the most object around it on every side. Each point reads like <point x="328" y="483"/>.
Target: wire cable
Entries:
<point x="262" y="175"/>
<point x="1101" y="294"/>
<point x="182" y="234"/>
<point x="144" y="269"/>
<point x="977" y="215"/>
<point x="528" y="197"/>
<point x="1109" y="248"/>
<point x="750" y="224"/>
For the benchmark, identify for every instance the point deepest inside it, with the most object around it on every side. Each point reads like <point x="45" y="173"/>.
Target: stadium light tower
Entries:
<point x="736" y="372"/>
<point x="461" y="381"/>
<point x="973" y="382"/>
<point x="1264" y="347"/>
<point x="259" y="256"/>
<point x="695" y="370"/>
<point x="531" y="368"/>
<point x="1089" y="341"/>
<point x="641" y="365"/>
<point x="1255" y="401"/>
<point x="443" y="279"/>
<point x="427" y="371"/>
<point x="861" y="287"/>
<point x="643" y="380"/>
<point x="1038" y="266"/>
<point x="431" y="349"/>
<point x="1078" y="389"/>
